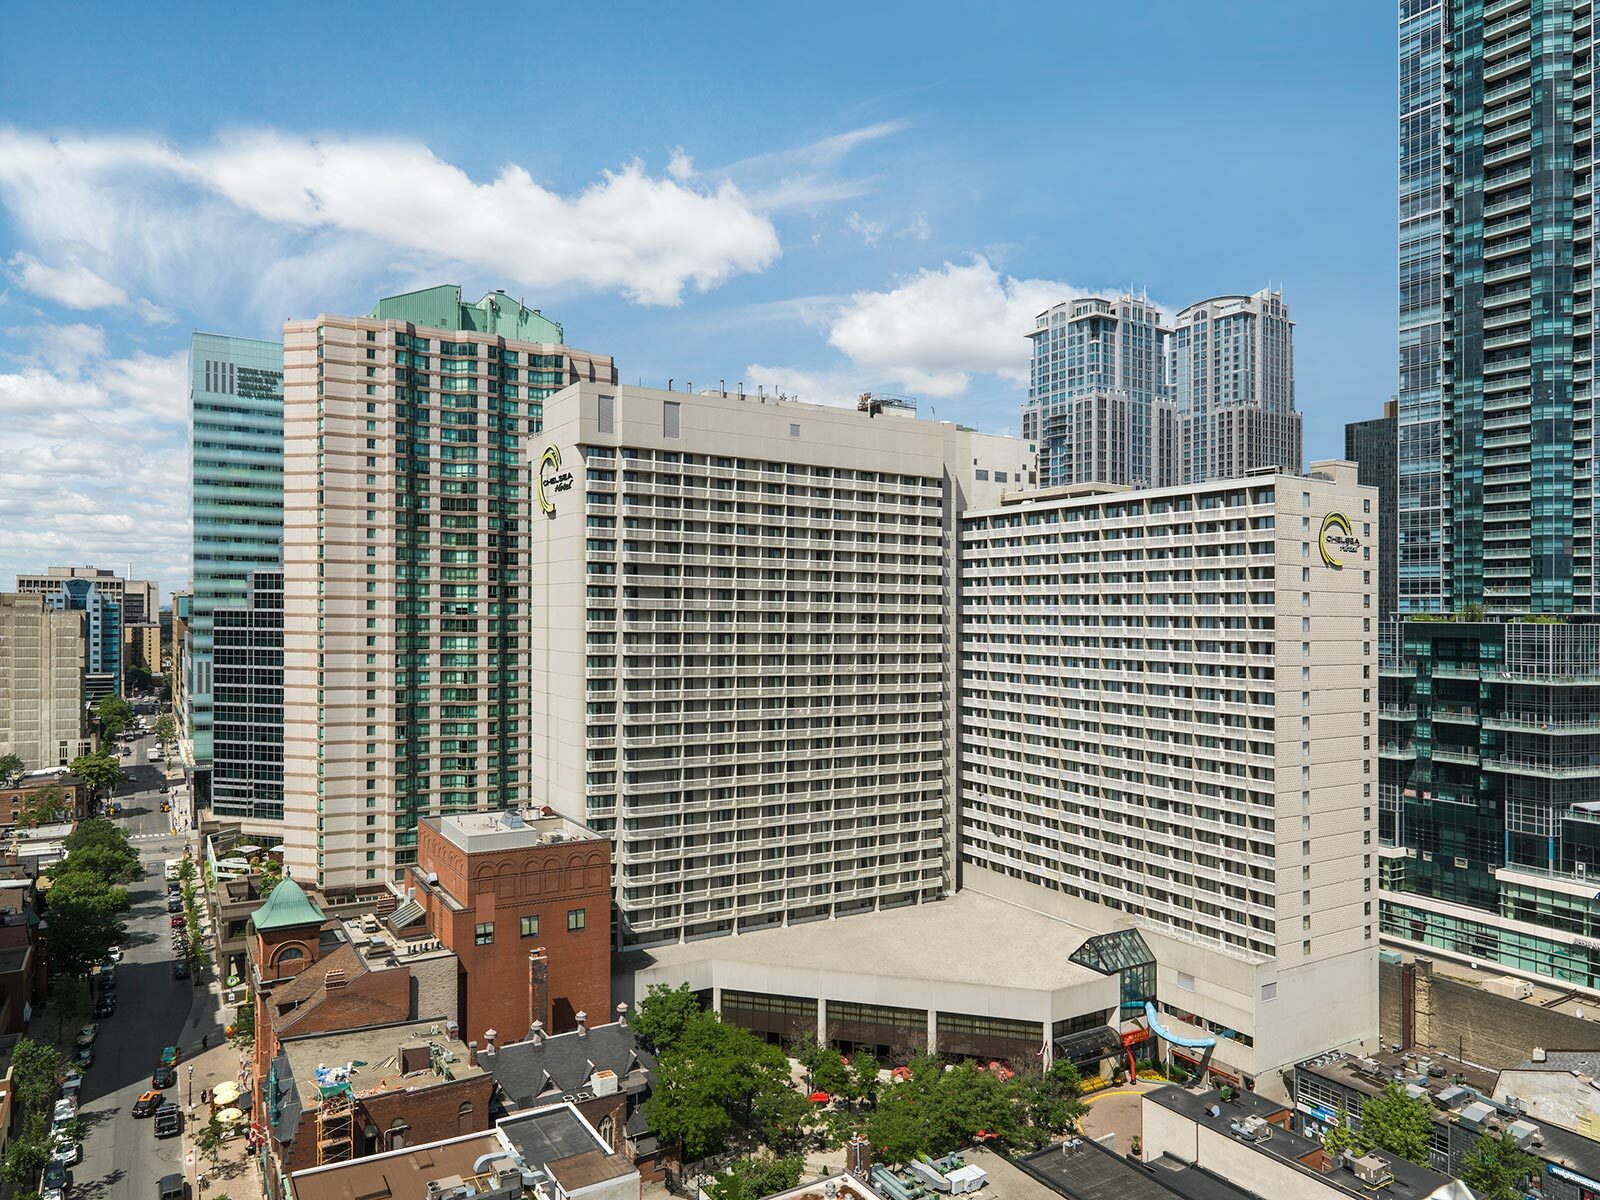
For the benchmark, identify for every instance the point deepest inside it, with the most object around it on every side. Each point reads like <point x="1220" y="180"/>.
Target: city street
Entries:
<point x="122" y="1156"/>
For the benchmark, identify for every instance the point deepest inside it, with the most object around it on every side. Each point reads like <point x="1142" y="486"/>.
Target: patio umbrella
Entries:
<point x="230" y="1116"/>
<point x="225" y="1094"/>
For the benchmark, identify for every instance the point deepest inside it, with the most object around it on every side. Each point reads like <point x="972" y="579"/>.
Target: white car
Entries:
<point x="64" y="1111"/>
<point x="87" y="1034"/>
<point x="114" y="954"/>
<point x="67" y="1152"/>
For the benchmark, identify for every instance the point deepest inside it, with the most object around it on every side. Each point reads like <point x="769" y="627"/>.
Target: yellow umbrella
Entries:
<point x="225" y="1094"/>
<point x="230" y="1116"/>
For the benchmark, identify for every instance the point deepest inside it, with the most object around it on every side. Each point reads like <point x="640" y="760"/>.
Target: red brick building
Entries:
<point x="15" y="801"/>
<point x="525" y="905"/>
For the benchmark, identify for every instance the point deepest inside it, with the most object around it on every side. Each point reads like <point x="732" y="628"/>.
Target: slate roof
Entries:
<point x="286" y="908"/>
<point x="561" y="1065"/>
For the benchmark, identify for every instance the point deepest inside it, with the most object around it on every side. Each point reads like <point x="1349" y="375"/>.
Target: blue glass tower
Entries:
<point x="103" y="661"/>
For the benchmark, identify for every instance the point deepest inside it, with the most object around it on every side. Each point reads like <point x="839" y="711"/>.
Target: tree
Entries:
<point x="82" y="921"/>
<point x="1393" y="1121"/>
<point x="11" y="769"/>
<point x="97" y="832"/>
<point x="101" y="771"/>
<point x="1051" y="1099"/>
<point x="1498" y="1167"/>
<point x="1337" y="1139"/>
<point x="272" y="876"/>
<point x="662" y="1017"/>
<point x="244" y="1025"/>
<point x="166" y="731"/>
<point x="43" y="806"/>
<point x="865" y="1068"/>
<point x="936" y="1111"/>
<point x="209" y="1140"/>
<point x="35" y="1070"/>
<point x="757" y="1176"/>
<point x="113" y="714"/>
<point x="27" y="1155"/>
<point x="827" y="1069"/>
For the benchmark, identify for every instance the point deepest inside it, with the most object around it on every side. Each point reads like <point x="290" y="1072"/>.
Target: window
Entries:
<point x="794" y="430"/>
<point x="606" y="415"/>
<point x="530" y="926"/>
<point x="1269" y="991"/>
<point x="577" y="918"/>
<point x="483" y="934"/>
<point x="671" y="419"/>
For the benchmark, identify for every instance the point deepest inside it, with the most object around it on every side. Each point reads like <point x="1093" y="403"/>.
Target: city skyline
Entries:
<point x="828" y="254"/>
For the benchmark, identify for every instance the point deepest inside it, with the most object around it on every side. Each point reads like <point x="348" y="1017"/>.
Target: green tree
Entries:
<point x="272" y="876"/>
<point x="827" y="1069"/>
<point x="865" y="1068"/>
<point x="82" y="921"/>
<point x="1497" y="1168"/>
<point x="936" y="1111"/>
<point x="1337" y="1138"/>
<point x="1051" y="1099"/>
<point x="663" y="1015"/>
<point x="113" y="714"/>
<point x="166" y="731"/>
<point x="98" y="833"/>
<point x="757" y="1176"/>
<point x="35" y="1071"/>
<point x="27" y="1154"/>
<point x="1393" y="1121"/>
<point x="244" y="1026"/>
<point x="208" y="1141"/>
<point x="11" y="769"/>
<point x="719" y="1087"/>
<point x="43" y="806"/>
<point x="101" y="771"/>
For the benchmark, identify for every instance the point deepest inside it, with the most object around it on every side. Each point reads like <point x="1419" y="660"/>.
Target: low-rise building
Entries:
<point x="1467" y="1102"/>
<point x="335" y="1097"/>
<point x="1247" y="1140"/>
<point x="1084" y="1170"/>
<point x="20" y="803"/>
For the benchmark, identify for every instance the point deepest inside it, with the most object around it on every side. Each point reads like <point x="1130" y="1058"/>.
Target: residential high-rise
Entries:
<point x="247" y="706"/>
<point x="1165" y="716"/>
<point x="43" y="655"/>
<point x="137" y="600"/>
<point x="405" y="594"/>
<point x="1373" y="445"/>
<point x="236" y="408"/>
<point x="1095" y="385"/>
<point x="1232" y="377"/>
<point x="118" y="608"/>
<point x="742" y="649"/>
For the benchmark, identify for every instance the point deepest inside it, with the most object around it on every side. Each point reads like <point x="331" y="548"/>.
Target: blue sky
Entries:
<point x="827" y="198"/>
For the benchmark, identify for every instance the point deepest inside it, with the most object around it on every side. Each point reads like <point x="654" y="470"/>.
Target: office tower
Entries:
<point x="236" y="408"/>
<point x="43" y="655"/>
<point x="137" y="599"/>
<point x="1232" y="377"/>
<point x="1165" y="722"/>
<point x="247" y="705"/>
<point x="740" y="646"/>
<point x="102" y="632"/>
<point x="119" y="609"/>
<point x="1373" y="446"/>
<point x="405" y="597"/>
<point x="1097" y="374"/>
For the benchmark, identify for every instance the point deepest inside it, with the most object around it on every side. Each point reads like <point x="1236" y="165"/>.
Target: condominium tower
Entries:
<point x="1166" y="722"/>
<point x="741" y="648"/>
<point x="405" y="594"/>
<point x="247" y="706"/>
<point x="1372" y="445"/>
<point x="1232" y="377"/>
<point x="43" y="709"/>
<point x="236" y="409"/>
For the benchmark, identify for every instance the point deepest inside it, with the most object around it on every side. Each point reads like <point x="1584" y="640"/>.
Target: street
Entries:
<point x="122" y="1156"/>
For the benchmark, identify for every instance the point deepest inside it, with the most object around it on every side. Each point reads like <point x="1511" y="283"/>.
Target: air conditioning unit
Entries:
<point x="604" y="1083"/>
<point x="1372" y="1171"/>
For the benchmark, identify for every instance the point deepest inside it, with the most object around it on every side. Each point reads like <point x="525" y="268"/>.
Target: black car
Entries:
<point x="56" y="1177"/>
<point x="180" y="969"/>
<point x="106" y="1005"/>
<point x="174" y="904"/>
<point x="147" y="1104"/>
<point x="169" y="1121"/>
<point x="164" y="1077"/>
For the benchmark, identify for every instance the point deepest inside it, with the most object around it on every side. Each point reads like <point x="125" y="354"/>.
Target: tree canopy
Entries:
<point x="1393" y="1121"/>
<point x="101" y="771"/>
<point x="43" y="806"/>
<point x="11" y="769"/>
<point x="936" y="1111"/>
<point x="757" y="1176"/>
<point x="1496" y="1168"/>
<point x="663" y="1014"/>
<point x="113" y="714"/>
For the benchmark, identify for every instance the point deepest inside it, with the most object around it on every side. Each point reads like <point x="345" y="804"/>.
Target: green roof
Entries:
<point x="287" y="907"/>
<point x="497" y="313"/>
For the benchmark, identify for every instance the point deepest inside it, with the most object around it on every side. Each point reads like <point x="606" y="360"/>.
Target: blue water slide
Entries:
<point x="1167" y="1035"/>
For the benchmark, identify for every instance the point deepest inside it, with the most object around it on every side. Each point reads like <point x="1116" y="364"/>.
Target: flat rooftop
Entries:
<point x="563" y="1143"/>
<point x="512" y="829"/>
<point x="397" y="1175"/>
<point x="956" y="941"/>
<point x="1085" y="1170"/>
<point x="1411" y="1182"/>
<point x="1370" y="1074"/>
<point x="379" y="1048"/>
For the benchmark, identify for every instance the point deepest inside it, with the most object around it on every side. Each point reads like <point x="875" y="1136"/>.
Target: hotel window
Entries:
<point x="606" y="414"/>
<point x="530" y="926"/>
<point x="483" y="934"/>
<point x="577" y="918"/>
<point x="671" y="420"/>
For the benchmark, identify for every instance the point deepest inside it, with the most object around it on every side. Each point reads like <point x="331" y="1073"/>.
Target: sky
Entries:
<point x="821" y="198"/>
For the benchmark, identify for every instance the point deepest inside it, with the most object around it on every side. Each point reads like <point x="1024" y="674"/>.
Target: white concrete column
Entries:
<point x="933" y="1030"/>
<point x="716" y="999"/>
<point x="822" y="1021"/>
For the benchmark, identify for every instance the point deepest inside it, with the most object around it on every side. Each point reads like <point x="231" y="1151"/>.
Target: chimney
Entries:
<point x="538" y="985"/>
<point x="622" y="1014"/>
<point x="472" y="1053"/>
<point x="489" y="1036"/>
<point x="858" y="1157"/>
<point x="583" y="1024"/>
<point x="536" y="1032"/>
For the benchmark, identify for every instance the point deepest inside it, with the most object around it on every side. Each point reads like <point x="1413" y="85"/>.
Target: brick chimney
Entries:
<point x="538" y="985"/>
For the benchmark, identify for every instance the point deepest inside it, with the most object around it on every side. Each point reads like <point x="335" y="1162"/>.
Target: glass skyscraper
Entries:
<point x="236" y="408"/>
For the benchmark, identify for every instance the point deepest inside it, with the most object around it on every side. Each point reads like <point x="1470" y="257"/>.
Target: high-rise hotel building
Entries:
<point x="741" y="650"/>
<point x="405" y="592"/>
<point x="1166" y="723"/>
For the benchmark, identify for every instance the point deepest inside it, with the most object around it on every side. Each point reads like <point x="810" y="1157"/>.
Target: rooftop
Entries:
<point x="551" y="1067"/>
<point x="564" y="1144"/>
<point x="1085" y="1170"/>
<point x="441" y="307"/>
<point x="948" y="941"/>
<point x="398" y="1057"/>
<point x="397" y="1175"/>
<point x="287" y="908"/>
<point x="477" y="833"/>
<point x="1410" y="1182"/>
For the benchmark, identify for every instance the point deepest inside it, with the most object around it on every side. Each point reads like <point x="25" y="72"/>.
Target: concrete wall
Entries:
<point x="1455" y="1017"/>
<point x="1167" y="1132"/>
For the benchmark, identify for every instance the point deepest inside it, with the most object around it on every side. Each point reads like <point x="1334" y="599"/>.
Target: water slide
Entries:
<point x="1166" y="1035"/>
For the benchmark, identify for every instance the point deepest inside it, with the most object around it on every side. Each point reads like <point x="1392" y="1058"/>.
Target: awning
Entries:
<point x="1089" y="1045"/>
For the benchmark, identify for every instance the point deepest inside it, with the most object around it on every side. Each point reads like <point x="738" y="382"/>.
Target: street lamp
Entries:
<point x="191" y="1085"/>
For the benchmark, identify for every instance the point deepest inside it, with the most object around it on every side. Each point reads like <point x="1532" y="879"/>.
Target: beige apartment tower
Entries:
<point x="43" y="717"/>
<point x="740" y="654"/>
<point x="405" y="593"/>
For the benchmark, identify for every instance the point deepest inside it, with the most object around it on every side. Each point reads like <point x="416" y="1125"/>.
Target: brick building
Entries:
<point x="334" y="1097"/>
<point x="524" y="902"/>
<point x="15" y="801"/>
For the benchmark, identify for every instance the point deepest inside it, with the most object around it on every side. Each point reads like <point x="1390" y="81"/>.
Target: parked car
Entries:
<point x="169" y="1121"/>
<point x="87" y="1034"/>
<point x="177" y="920"/>
<point x="170" y="1056"/>
<point x="180" y="969"/>
<point x="114" y="955"/>
<point x="147" y="1104"/>
<point x="170" y="1187"/>
<point x="86" y="1057"/>
<point x="163" y="789"/>
<point x="55" y="1176"/>
<point x="175" y="904"/>
<point x="105" y="1006"/>
<point x="64" y="1111"/>
<point x="69" y="1152"/>
<point x="164" y="1077"/>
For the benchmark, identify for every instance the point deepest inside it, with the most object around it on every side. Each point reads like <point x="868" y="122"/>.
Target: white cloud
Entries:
<point x="868" y="231"/>
<point x="680" y="166"/>
<point x="73" y="286"/>
<point x="174" y="223"/>
<point x="917" y="228"/>
<point x="805" y="178"/>
<point x="935" y="330"/>
<point x="813" y="387"/>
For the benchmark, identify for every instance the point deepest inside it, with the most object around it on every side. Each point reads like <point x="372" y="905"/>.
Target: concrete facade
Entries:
<point x="43" y="653"/>
<point x="1167" y="723"/>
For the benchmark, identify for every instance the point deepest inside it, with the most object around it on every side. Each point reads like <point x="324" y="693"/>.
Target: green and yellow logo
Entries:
<point x="1336" y="541"/>
<point x="551" y="479"/>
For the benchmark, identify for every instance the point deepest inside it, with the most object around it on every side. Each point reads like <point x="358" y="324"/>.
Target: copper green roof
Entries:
<point x="287" y="907"/>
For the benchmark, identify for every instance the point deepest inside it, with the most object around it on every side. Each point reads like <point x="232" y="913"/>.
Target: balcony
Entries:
<point x="1449" y="670"/>
<point x="1397" y="751"/>
<point x="1533" y="723"/>
<point x="1460" y="755"/>
<point x="1455" y="714"/>
<point x="1563" y="768"/>
<point x="1397" y="712"/>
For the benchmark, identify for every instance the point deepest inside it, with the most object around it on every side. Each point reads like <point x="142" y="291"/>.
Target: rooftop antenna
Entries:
<point x="669" y="383"/>
<point x="722" y="387"/>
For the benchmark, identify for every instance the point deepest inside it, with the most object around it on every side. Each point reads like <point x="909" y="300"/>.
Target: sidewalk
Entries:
<point x="237" y="1171"/>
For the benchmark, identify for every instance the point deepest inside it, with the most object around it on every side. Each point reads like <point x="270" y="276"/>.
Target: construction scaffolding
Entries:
<point x="335" y="1127"/>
